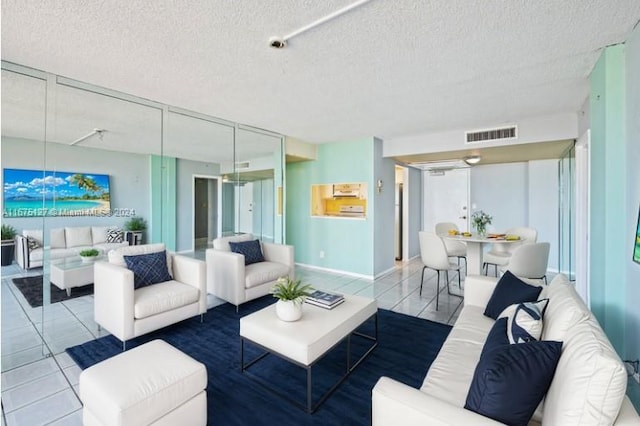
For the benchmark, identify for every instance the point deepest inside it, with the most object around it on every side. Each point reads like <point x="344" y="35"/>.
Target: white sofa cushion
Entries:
<point x="223" y="242"/>
<point x="590" y="381"/>
<point x="78" y="236"/>
<point x="158" y="298"/>
<point x="565" y="309"/>
<point x="58" y="239"/>
<point x="451" y="373"/>
<point x="99" y="234"/>
<point x="263" y="272"/>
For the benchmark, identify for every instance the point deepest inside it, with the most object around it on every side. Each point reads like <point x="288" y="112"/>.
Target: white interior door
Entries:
<point x="245" y="211"/>
<point x="446" y="198"/>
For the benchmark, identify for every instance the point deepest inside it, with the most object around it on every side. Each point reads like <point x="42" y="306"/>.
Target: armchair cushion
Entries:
<point x="251" y="251"/>
<point x="509" y="290"/>
<point x="148" y="269"/>
<point x="264" y="272"/>
<point x="163" y="297"/>
<point x="511" y="380"/>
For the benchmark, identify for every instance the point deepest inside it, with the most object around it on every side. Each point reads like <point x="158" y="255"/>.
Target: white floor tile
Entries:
<point x="73" y="374"/>
<point x="27" y="373"/>
<point x="23" y="358"/>
<point x="73" y="419"/>
<point x="20" y="339"/>
<point x="33" y="391"/>
<point x="43" y="411"/>
<point x="64" y="360"/>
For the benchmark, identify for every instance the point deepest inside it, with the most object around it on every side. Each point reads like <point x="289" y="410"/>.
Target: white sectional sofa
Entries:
<point x="63" y="242"/>
<point x="588" y="387"/>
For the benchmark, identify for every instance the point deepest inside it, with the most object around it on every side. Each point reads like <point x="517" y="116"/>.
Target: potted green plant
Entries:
<point x="8" y="234"/>
<point x="135" y="226"/>
<point x="290" y="294"/>
<point x="89" y="255"/>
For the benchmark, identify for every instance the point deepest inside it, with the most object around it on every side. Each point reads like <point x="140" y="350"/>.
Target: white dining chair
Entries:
<point x="434" y="256"/>
<point x="456" y="249"/>
<point x="530" y="261"/>
<point x="499" y="254"/>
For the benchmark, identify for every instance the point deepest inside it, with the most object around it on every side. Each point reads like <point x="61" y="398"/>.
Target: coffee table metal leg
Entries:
<point x="309" y="391"/>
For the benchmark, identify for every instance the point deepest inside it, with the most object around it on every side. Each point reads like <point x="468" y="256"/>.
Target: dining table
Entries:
<point x="475" y="248"/>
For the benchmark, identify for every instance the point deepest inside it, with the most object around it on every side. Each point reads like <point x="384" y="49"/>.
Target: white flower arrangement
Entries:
<point x="480" y="220"/>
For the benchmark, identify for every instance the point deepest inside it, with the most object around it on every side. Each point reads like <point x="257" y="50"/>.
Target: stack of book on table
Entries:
<point x="324" y="299"/>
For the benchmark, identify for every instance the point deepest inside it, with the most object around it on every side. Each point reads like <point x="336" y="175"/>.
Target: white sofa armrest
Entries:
<point x="394" y="403"/>
<point x="627" y="415"/>
<point x="114" y="299"/>
<point x="22" y="251"/>
<point x="225" y="275"/>
<point x="191" y="271"/>
<point x="280" y="253"/>
<point x="478" y="290"/>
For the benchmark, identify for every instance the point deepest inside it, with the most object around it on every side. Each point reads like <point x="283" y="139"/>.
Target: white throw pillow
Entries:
<point x="524" y="321"/>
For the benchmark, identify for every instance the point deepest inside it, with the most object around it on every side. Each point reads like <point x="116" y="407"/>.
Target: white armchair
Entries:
<point x="231" y="280"/>
<point x="127" y="312"/>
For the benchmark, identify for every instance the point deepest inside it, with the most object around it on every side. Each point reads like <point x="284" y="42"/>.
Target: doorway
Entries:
<point x="206" y="214"/>
<point x="446" y="198"/>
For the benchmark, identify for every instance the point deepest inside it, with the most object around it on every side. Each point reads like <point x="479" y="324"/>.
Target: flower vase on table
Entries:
<point x="480" y="220"/>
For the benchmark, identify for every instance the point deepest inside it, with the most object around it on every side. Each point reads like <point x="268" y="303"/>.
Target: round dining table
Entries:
<point x="475" y="249"/>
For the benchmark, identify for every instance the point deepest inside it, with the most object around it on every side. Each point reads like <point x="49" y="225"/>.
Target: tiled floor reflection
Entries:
<point x="40" y="381"/>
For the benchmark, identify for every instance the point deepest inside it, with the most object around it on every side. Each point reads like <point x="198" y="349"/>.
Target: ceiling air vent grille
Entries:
<point x="510" y="132"/>
<point x="242" y="164"/>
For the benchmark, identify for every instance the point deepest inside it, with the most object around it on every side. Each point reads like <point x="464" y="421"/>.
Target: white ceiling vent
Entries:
<point x="242" y="164"/>
<point x="487" y="135"/>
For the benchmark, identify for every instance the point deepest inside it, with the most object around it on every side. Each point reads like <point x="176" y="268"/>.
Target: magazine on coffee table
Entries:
<point x="324" y="298"/>
<point x="323" y="306"/>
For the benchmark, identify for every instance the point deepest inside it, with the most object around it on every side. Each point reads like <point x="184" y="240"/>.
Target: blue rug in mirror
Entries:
<point x="406" y="348"/>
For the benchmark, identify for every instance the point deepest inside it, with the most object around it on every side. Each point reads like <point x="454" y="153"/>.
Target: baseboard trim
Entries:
<point x="336" y="271"/>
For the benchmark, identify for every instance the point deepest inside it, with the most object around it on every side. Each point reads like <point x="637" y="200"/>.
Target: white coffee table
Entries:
<point x="306" y="341"/>
<point x="70" y="272"/>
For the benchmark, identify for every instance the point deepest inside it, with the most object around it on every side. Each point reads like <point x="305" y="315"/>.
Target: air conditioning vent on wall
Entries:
<point x="242" y="164"/>
<point x="510" y="132"/>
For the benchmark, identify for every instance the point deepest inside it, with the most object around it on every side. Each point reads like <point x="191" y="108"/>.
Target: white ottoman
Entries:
<point x="152" y="384"/>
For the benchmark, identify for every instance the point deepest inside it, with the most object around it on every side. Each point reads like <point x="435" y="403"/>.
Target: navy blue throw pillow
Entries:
<point x="510" y="380"/>
<point x="250" y="249"/>
<point x="497" y="336"/>
<point x="150" y="268"/>
<point x="510" y="290"/>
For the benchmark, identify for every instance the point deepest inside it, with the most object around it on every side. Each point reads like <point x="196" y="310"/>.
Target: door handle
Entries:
<point x="462" y="217"/>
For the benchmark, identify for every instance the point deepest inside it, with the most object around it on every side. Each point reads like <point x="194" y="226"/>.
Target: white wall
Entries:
<point x="543" y="204"/>
<point x="415" y="210"/>
<point x="501" y="190"/>
<point x="531" y="130"/>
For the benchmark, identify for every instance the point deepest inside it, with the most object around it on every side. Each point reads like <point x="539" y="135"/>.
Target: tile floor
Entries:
<point x="39" y="381"/>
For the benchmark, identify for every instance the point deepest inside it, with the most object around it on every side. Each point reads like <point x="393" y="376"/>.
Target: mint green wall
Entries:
<point x="632" y="92"/>
<point x="348" y="244"/>
<point x="607" y="193"/>
<point x="162" y="223"/>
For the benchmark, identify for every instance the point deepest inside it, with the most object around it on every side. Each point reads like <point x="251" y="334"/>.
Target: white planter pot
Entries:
<point x="87" y="259"/>
<point x="288" y="310"/>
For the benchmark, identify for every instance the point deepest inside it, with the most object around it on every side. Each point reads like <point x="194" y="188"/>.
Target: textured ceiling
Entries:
<point x="385" y="69"/>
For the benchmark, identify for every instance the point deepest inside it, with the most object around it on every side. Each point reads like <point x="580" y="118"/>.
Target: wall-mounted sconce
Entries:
<point x="379" y="185"/>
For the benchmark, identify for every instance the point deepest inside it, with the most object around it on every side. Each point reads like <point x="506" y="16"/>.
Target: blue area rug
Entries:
<point x="406" y="348"/>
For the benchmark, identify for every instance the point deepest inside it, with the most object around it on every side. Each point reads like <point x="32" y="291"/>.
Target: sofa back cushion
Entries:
<point x="223" y="242"/>
<point x="116" y="256"/>
<point x="99" y="234"/>
<point x="565" y="309"/>
<point x="58" y="239"/>
<point x="78" y="236"/>
<point x="590" y="382"/>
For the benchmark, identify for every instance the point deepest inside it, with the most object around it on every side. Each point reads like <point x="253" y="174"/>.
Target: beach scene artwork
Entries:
<point x="31" y="193"/>
<point x="636" y="248"/>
